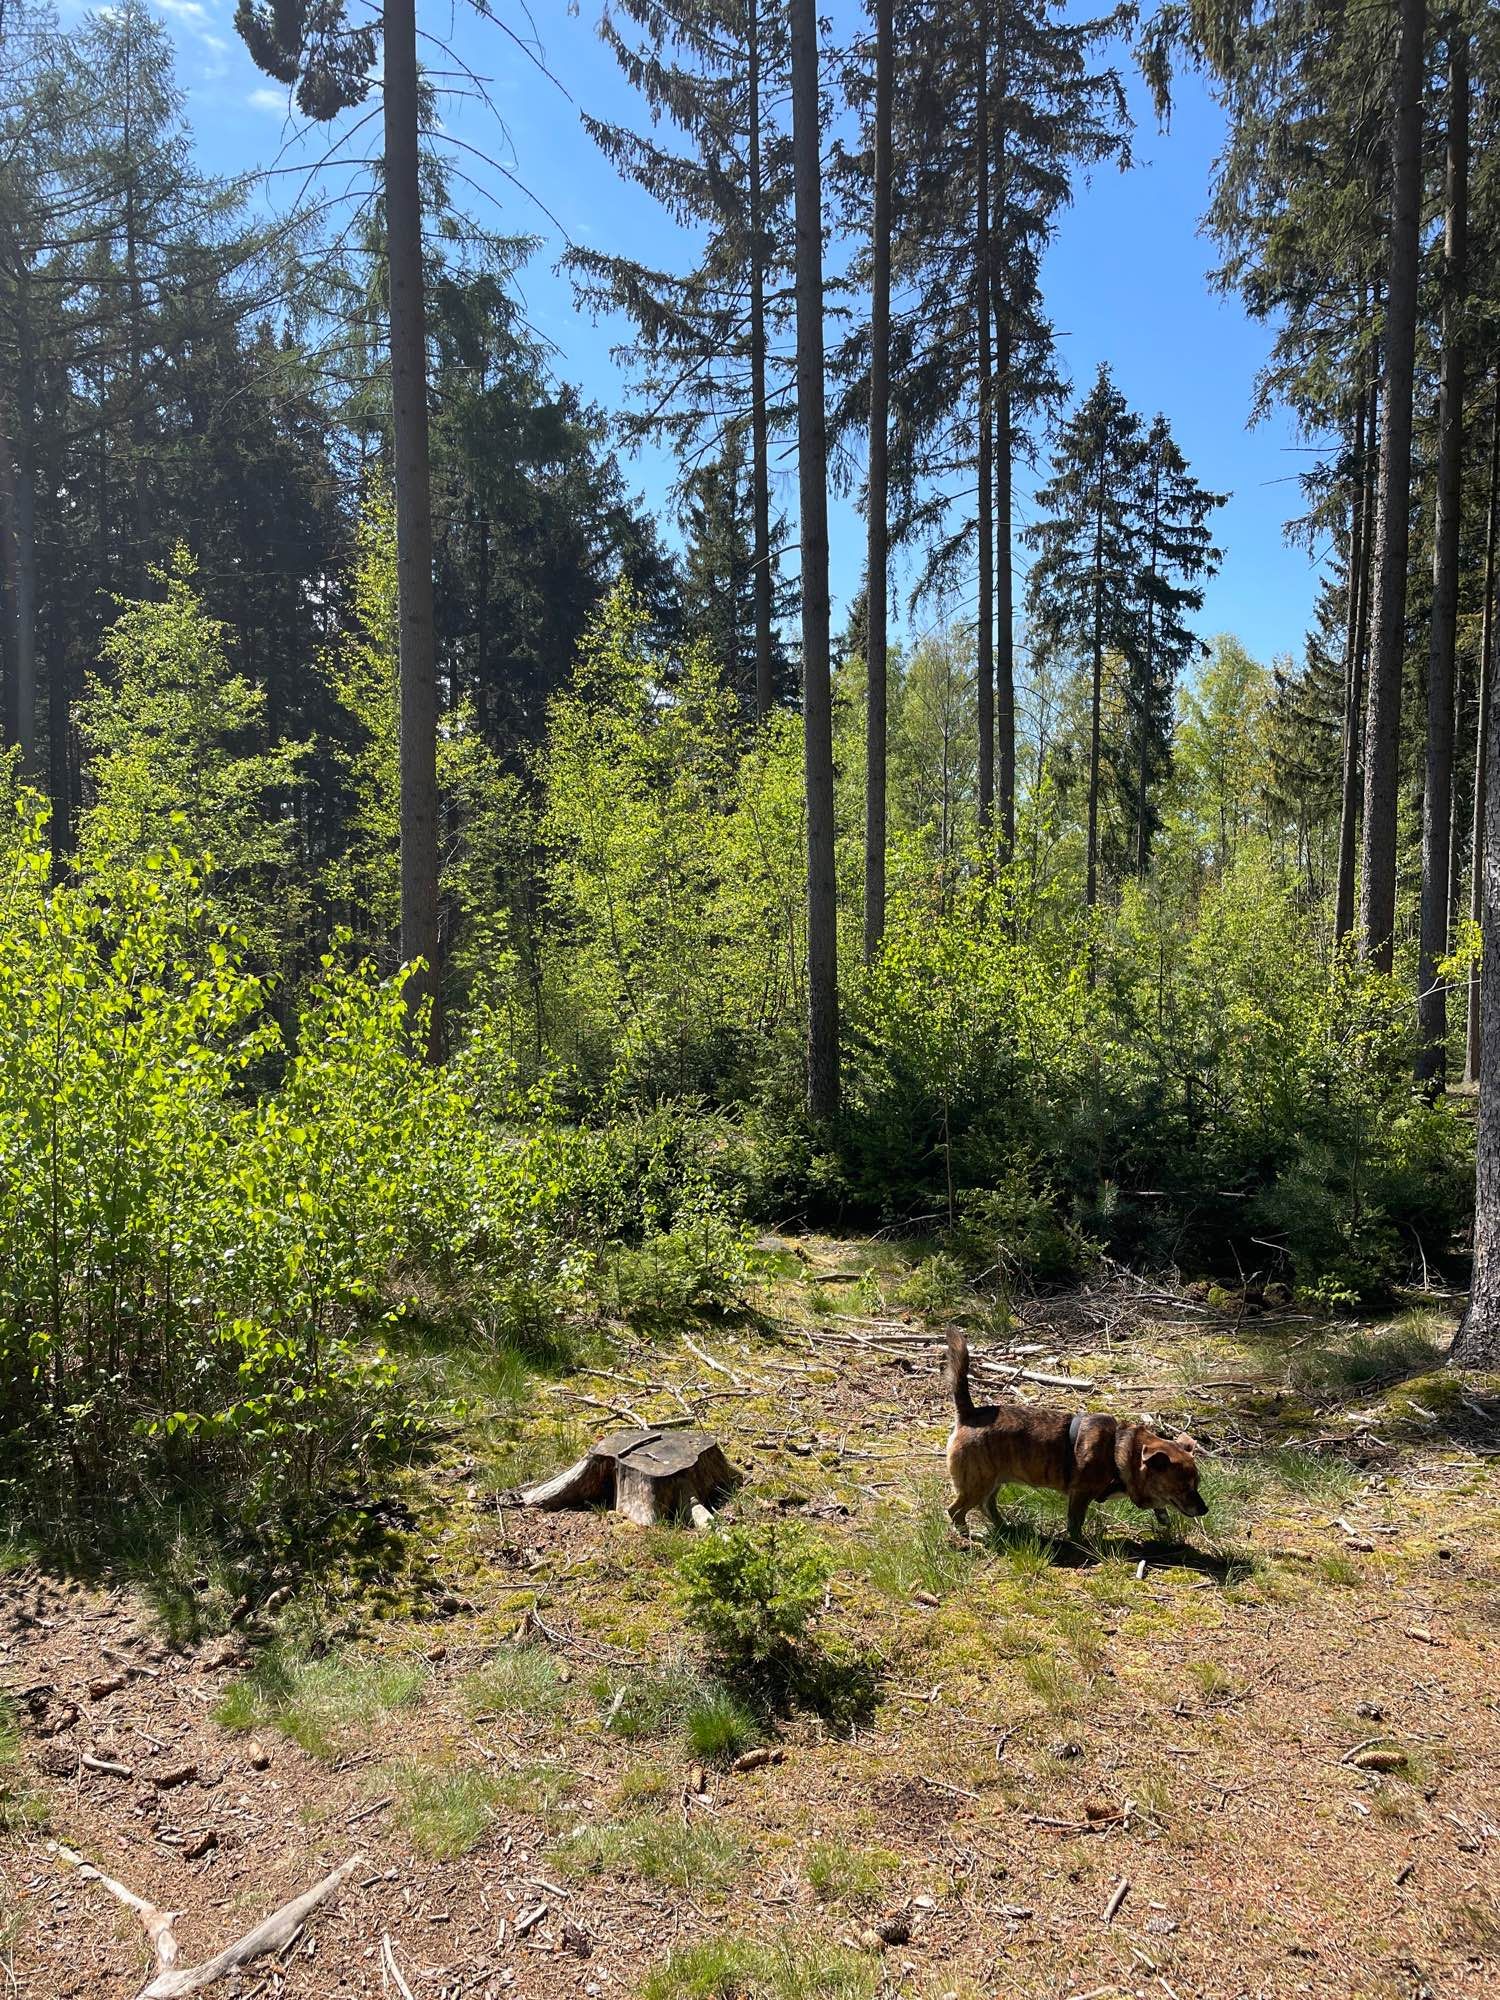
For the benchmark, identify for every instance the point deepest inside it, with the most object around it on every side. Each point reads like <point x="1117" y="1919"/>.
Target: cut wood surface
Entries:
<point x="646" y="1475"/>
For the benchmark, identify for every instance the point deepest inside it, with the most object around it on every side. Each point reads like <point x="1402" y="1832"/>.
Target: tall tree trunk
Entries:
<point x="1393" y="528"/>
<point x="1487" y="641"/>
<point x="812" y="468"/>
<point x="1477" y="1342"/>
<point x="419" y="828"/>
<point x="1004" y="448"/>
<point x="760" y="473"/>
<point x="1148" y="678"/>
<point x="877" y="496"/>
<point x="10" y="581"/>
<point x="22" y="719"/>
<point x="1358" y="625"/>
<point x="985" y="703"/>
<point x="1005" y="643"/>
<point x="1437" y="794"/>
<point x="1096" y="705"/>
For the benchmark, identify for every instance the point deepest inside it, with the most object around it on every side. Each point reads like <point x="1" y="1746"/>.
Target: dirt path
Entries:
<point x="1042" y="1730"/>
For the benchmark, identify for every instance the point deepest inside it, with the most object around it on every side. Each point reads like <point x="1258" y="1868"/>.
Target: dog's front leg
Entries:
<point x="1163" y="1523"/>
<point x="1077" y="1509"/>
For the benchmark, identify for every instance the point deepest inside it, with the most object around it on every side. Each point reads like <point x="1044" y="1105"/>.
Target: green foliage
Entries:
<point x="168" y="725"/>
<point x="198" y="1273"/>
<point x="753" y="1591"/>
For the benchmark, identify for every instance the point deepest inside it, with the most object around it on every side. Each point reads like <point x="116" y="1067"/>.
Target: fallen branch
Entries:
<point x="388" y="1965"/>
<point x="271" y="1934"/>
<point x="709" y="1362"/>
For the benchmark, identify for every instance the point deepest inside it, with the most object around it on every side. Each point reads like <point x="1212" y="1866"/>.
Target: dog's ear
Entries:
<point x="1184" y="1443"/>
<point x="1156" y="1454"/>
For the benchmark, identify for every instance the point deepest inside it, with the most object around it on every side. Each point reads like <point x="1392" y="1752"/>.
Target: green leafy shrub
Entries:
<point x="753" y="1593"/>
<point x="196" y="1275"/>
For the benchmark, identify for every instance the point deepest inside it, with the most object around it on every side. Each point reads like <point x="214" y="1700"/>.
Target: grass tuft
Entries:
<point x="678" y="1699"/>
<point x="327" y="1706"/>
<point x="730" y="1968"/>
<point x="20" y="1807"/>
<point x="519" y="1680"/>
<point x="840" y="1874"/>
<point x="446" y="1810"/>
<point x="701" y="1858"/>
<point x="917" y="1552"/>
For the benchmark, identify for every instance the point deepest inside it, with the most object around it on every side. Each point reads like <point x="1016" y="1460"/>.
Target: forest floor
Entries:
<point x="1036" y="1771"/>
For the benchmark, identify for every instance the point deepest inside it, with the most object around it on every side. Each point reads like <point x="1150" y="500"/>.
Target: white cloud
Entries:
<point x="191" y="11"/>
<point x="264" y="98"/>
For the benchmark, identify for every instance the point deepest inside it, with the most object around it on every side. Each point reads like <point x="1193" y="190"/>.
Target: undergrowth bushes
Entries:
<point x="203" y="1228"/>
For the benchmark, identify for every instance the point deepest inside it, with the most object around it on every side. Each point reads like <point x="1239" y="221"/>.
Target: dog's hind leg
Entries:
<point x="958" y="1513"/>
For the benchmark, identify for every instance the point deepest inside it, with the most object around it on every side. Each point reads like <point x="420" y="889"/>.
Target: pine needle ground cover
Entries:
<point x="1280" y="1736"/>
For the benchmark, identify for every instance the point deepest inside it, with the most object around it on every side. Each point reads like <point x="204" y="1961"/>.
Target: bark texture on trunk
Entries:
<point x="812" y="468"/>
<point x="418" y="669"/>
<point x="760" y="474"/>
<point x="877" y="561"/>
<point x="1361" y="514"/>
<point x="1477" y="1342"/>
<point x="1487" y="640"/>
<point x="1393" y="528"/>
<point x="1005" y="644"/>
<point x="1096" y="705"/>
<point x="985" y="702"/>
<point x="1437" y="794"/>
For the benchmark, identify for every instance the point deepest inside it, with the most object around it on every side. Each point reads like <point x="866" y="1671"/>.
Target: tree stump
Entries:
<point x="647" y="1476"/>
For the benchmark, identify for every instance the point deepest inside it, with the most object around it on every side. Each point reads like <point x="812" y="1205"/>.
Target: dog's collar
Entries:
<point x="1074" y="1426"/>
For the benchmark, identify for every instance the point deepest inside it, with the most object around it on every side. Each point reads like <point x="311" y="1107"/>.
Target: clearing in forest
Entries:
<point x="1262" y="1764"/>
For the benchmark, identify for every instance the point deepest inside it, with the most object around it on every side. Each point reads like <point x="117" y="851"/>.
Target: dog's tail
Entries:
<point x="958" y="1377"/>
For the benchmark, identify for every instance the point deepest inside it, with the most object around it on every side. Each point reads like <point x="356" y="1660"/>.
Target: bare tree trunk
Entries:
<point x="1393" y="529"/>
<point x="812" y="467"/>
<point x="1477" y="1342"/>
<point x="1481" y="753"/>
<point x="877" y="564"/>
<point x="760" y="475"/>
<point x="1005" y="644"/>
<point x="23" y="688"/>
<point x="1354" y="658"/>
<point x="1091" y="874"/>
<point x="1148" y="678"/>
<point x="9" y="560"/>
<point x="419" y="816"/>
<point x="1437" y="794"/>
<point x="985" y="703"/>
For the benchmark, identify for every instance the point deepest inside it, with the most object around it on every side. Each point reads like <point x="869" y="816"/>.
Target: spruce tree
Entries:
<point x="1177" y="551"/>
<point x="704" y="356"/>
<point x="1086" y="591"/>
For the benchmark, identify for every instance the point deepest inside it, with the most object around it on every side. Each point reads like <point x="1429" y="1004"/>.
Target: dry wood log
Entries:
<point x="273" y="1933"/>
<point x="647" y="1475"/>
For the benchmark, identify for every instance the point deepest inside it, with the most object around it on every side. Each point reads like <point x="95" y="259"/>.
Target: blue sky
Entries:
<point x="1125" y="282"/>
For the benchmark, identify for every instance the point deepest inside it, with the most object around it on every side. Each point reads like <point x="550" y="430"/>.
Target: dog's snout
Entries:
<point x="1200" y="1505"/>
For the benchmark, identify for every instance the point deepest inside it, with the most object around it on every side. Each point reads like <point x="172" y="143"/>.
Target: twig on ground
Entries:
<point x="389" y="1967"/>
<point x="271" y="1934"/>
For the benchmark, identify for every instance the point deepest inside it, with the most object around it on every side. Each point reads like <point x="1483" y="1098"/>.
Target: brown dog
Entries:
<point x="1087" y="1457"/>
